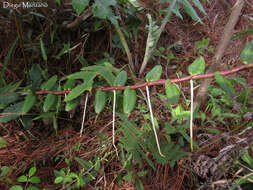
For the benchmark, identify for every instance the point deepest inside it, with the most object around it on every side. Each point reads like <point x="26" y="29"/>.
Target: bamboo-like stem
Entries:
<point x="159" y="82"/>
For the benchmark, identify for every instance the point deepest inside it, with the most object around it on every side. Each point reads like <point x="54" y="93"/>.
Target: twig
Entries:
<point x="159" y="82"/>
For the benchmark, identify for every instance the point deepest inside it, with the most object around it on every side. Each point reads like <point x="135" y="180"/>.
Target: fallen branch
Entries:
<point x="159" y="82"/>
<point x="224" y="41"/>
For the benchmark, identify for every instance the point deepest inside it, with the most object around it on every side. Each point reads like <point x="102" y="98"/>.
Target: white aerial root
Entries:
<point x="113" y="121"/>
<point x="84" y="113"/>
<point x="152" y="121"/>
<point x="191" y="119"/>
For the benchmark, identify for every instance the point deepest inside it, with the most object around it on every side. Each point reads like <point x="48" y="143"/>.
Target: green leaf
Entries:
<point x="199" y="5"/>
<point x="34" y="180"/>
<point x="139" y="185"/>
<point x="142" y="173"/>
<point x="55" y="123"/>
<point x="12" y="112"/>
<point x="129" y="100"/>
<point x="172" y="92"/>
<point x="22" y="178"/>
<point x="30" y="100"/>
<point x="2" y="81"/>
<point x="108" y="76"/>
<point x="69" y="84"/>
<point x="70" y="105"/>
<point x="100" y="100"/>
<point x="43" y="50"/>
<point x="79" y="5"/>
<point x="102" y="10"/>
<point x="197" y="67"/>
<point x="32" y="188"/>
<point x="190" y="11"/>
<point x="129" y="176"/>
<point x="78" y="90"/>
<point x="121" y="79"/>
<point x="32" y="171"/>
<point x="45" y="115"/>
<point x="58" y="180"/>
<point x="64" y="50"/>
<point x="154" y="74"/>
<point x="87" y="85"/>
<point x="49" y="102"/>
<point x="246" y="158"/>
<point x="3" y="142"/>
<point x="8" y="98"/>
<point x="225" y="84"/>
<point x="16" y="187"/>
<point x="48" y="85"/>
<point x="35" y="75"/>
<point x="247" y="53"/>
<point x="82" y="75"/>
<point x="5" y="170"/>
<point x="10" y="87"/>
<point x="86" y="165"/>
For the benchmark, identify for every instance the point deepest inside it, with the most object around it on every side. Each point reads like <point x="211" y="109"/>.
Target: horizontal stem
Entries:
<point x="159" y="82"/>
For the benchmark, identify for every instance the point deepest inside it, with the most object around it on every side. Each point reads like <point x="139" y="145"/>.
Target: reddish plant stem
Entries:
<point x="159" y="82"/>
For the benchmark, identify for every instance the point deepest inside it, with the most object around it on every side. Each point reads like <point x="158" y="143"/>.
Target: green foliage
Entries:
<point x="12" y="112"/>
<point x="197" y="67"/>
<point x="154" y="74"/>
<point x="137" y="142"/>
<point x="225" y="84"/>
<point x="190" y="10"/>
<point x="30" y="100"/>
<point x="43" y="50"/>
<point x="121" y="79"/>
<point x="187" y="7"/>
<point x="247" y="53"/>
<point x="203" y="45"/>
<point x="49" y="102"/>
<point x="100" y="100"/>
<point x="102" y="10"/>
<point x="79" y="5"/>
<point x="129" y="100"/>
<point x="2" y="81"/>
<point x="3" y="142"/>
<point x="172" y="92"/>
<point x="28" y="179"/>
<point x="7" y="98"/>
<point x="48" y="85"/>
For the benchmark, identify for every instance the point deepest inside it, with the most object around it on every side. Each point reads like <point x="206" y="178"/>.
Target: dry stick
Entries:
<point x="159" y="82"/>
<point x="228" y="32"/>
